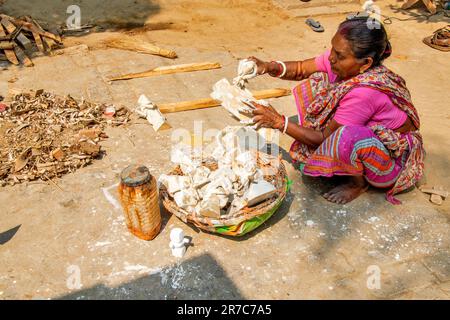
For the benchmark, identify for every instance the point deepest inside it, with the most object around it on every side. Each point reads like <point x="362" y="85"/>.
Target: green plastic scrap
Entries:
<point x="289" y="183"/>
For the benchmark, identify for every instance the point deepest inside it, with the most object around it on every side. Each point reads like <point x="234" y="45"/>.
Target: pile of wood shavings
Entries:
<point x="44" y="136"/>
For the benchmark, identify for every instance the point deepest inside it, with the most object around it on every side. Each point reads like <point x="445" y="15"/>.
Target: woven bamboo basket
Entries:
<point x="246" y="220"/>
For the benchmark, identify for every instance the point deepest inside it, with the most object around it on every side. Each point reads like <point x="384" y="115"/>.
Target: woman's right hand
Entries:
<point x="261" y="65"/>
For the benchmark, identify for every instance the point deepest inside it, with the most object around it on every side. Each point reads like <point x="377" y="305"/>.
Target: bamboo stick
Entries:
<point x="141" y="46"/>
<point x="209" y="102"/>
<point x="169" y="70"/>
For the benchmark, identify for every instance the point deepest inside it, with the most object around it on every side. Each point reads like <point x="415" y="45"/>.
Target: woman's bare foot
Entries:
<point x="346" y="192"/>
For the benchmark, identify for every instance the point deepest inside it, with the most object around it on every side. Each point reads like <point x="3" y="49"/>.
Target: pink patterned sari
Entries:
<point x="386" y="158"/>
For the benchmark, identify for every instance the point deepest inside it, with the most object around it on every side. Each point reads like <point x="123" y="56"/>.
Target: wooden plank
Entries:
<point x="57" y="37"/>
<point x="24" y="41"/>
<point x="23" y="58"/>
<point x="428" y="3"/>
<point x="2" y="15"/>
<point x="10" y="55"/>
<point x="38" y="40"/>
<point x="48" y="42"/>
<point x="430" y="6"/>
<point x="271" y="93"/>
<point x="6" y="45"/>
<point x="29" y="26"/>
<point x="209" y="102"/>
<point x="190" y="67"/>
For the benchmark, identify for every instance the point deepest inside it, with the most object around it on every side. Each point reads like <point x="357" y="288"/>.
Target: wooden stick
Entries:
<point x="209" y="103"/>
<point x="23" y="58"/>
<point x="430" y="6"/>
<point x="34" y="29"/>
<point x="38" y="40"/>
<point x="20" y="37"/>
<point x="10" y="55"/>
<point x="50" y="43"/>
<point x="169" y="70"/>
<point x="6" y="45"/>
<point x="141" y="46"/>
<point x="428" y="3"/>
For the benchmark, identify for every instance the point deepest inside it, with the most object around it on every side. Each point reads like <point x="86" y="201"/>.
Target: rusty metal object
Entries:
<point x="139" y="198"/>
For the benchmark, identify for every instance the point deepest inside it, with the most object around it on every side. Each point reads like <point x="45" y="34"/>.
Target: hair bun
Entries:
<point x="387" y="52"/>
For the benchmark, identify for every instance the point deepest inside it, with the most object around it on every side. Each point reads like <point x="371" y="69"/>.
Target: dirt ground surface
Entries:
<point x="310" y="249"/>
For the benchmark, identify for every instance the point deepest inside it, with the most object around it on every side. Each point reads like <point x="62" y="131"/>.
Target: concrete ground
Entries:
<point x="310" y="249"/>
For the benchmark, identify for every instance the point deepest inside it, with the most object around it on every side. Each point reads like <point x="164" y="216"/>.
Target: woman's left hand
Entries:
<point x="267" y="117"/>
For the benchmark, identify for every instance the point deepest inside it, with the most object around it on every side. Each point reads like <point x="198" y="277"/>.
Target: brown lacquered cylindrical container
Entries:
<point x="139" y="197"/>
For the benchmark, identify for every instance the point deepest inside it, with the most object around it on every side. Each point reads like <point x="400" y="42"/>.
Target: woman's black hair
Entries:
<point x="367" y="38"/>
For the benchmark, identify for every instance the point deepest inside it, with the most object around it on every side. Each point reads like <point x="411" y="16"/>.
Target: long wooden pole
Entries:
<point x="169" y="70"/>
<point x="209" y="102"/>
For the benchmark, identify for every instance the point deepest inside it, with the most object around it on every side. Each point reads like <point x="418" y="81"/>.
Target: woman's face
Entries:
<point x="342" y="60"/>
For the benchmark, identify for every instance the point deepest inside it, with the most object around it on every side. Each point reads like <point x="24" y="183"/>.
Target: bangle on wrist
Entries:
<point x="299" y="71"/>
<point x="277" y="72"/>
<point x="264" y="70"/>
<point x="286" y="122"/>
<point x="283" y="127"/>
<point x="284" y="70"/>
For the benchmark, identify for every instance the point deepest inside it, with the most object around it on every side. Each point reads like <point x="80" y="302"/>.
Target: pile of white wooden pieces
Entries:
<point x="21" y="37"/>
<point x="238" y="182"/>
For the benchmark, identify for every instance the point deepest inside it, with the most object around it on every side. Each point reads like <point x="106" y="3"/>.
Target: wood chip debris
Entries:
<point x="44" y="136"/>
<point x="20" y="38"/>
